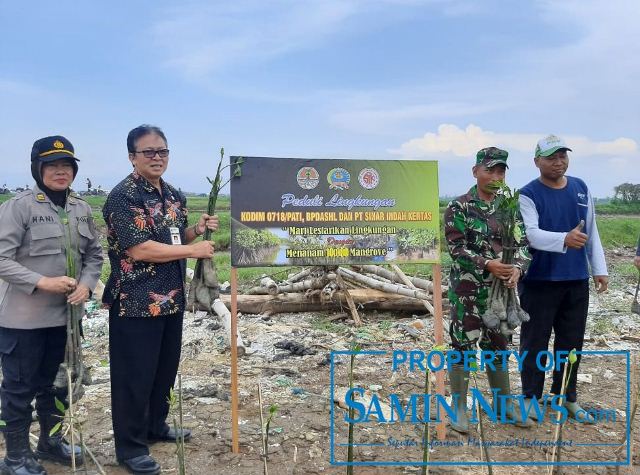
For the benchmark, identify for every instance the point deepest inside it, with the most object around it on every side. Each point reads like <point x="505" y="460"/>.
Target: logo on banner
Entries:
<point x="338" y="179"/>
<point x="368" y="178"/>
<point x="308" y="178"/>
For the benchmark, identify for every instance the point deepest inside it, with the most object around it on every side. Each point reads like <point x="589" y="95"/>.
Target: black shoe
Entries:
<point x="19" y="459"/>
<point x="142" y="465"/>
<point x="58" y="450"/>
<point x="54" y="447"/>
<point x="22" y="466"/>
<point x="171" y="436"/>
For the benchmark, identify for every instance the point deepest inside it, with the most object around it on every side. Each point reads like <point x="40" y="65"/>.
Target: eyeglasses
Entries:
<point x="163" y="153"/>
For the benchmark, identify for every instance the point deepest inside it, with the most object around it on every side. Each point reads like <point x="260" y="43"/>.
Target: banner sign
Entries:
<point x="292" y="212"/>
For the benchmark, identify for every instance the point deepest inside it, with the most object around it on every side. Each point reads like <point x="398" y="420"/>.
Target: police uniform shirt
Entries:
<point x="32" y="246"/>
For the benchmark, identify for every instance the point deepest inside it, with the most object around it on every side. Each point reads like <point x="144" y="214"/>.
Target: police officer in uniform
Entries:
<point x="35" y="227"/>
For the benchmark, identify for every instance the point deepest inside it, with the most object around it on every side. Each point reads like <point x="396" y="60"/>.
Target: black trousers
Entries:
<point x="30" y="361"/>
<point x="561" y="307"/>
<point x="144" y="356"/>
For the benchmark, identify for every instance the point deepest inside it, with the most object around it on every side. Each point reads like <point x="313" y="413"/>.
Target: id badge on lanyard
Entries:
<point x="175" y="236"/>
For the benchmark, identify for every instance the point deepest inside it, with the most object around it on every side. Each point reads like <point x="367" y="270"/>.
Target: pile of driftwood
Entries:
<point x="366" y="287"/>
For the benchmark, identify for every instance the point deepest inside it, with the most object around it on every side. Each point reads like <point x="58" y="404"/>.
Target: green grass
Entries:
<point x="624" y="271"/>
<point x="618" y="207"/>
<point x="197" y="206"/>
<point x="247" y="277"/>
<point x="200" y="203"/>
<point x="602" y="326"/>
<point x="96" y="202"/>
<point x="222" y="237"/>
<point x="106" y="269"/>
<point x="322" y="323"/>
<point x="615" y="231"/>
<point x="619" y="231"/>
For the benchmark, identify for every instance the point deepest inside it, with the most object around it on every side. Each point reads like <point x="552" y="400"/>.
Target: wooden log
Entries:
<point x="312" y="283"/>
<point x="377" y="277"/>
<point x="409" y="284"/>
<point x="328" y="291"/>
<point x="389" y="288"/>
<point x="350" y="302"/>
<point x="257" y="291"/>
<point x="369" y="299"/>
<point x="423" y="284"/>
<point x="299" y="275"/>
<point x="269" y="284"/>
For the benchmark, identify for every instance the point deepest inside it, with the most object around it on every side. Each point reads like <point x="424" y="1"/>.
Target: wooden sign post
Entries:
<point x="438" y="330"/>
<point x="235" y="443"/>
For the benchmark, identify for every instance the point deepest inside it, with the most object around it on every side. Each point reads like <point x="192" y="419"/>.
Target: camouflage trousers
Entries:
<point x="467" y="327"/>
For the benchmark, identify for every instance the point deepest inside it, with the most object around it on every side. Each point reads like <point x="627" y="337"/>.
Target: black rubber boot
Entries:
<point x="19" y="459"/>
<point x="54" y="447"/>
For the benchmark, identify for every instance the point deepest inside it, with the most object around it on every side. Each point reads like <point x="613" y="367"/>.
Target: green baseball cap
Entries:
<point x="492" y="156"/>
<point x="550" y="145"/>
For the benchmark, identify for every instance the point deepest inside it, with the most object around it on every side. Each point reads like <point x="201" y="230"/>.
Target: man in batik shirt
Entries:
<point x="149" y="242"/>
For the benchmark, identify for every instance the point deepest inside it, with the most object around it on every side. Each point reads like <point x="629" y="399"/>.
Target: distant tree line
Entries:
<point x="627" y="193"/>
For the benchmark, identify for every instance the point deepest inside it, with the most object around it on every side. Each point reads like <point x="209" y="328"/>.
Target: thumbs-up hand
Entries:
<point x="576" y="239"/>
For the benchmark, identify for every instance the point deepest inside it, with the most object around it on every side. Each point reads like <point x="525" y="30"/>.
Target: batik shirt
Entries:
<point x="473" y="236"/>
<point x="136" y="212"/>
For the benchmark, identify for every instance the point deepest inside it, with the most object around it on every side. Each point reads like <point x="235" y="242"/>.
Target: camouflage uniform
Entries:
<point x="473" y="237"/>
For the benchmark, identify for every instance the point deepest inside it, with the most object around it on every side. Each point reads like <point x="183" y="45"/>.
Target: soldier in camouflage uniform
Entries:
<point x="474" y="240"/>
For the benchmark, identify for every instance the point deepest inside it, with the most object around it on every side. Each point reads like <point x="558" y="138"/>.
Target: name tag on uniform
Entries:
<point x="175" y="236"/>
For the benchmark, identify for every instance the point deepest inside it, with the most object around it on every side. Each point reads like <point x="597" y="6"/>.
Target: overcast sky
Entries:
<point x="374" y="79"/>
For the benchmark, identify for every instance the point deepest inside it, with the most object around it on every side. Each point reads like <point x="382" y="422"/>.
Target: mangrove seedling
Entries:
<point x="175" y="409"/>
<point x="484" y="449"/>
<point x="204" y="289"/>
<point x="503" y="305"/>
<point x="557" y="442"/>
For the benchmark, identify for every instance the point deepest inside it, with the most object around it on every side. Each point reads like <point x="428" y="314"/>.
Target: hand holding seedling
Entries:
<point x="576" y="239"/>
<point x="206" y="222"/>
<point x="79" y="295"/>
<point x="513" y="278"/>
<point x="57" y="285"/>
<point x="202" y="250"/>
<point x="500" y="270"/>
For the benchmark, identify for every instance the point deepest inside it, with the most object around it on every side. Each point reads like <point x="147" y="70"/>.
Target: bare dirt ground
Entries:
<point x="299" y="440"/>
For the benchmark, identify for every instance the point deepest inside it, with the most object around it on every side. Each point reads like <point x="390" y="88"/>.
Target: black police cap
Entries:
<point x="52" y="148"/>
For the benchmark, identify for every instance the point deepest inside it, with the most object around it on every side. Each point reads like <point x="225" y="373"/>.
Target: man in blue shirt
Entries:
<point x="560" y="223"/>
